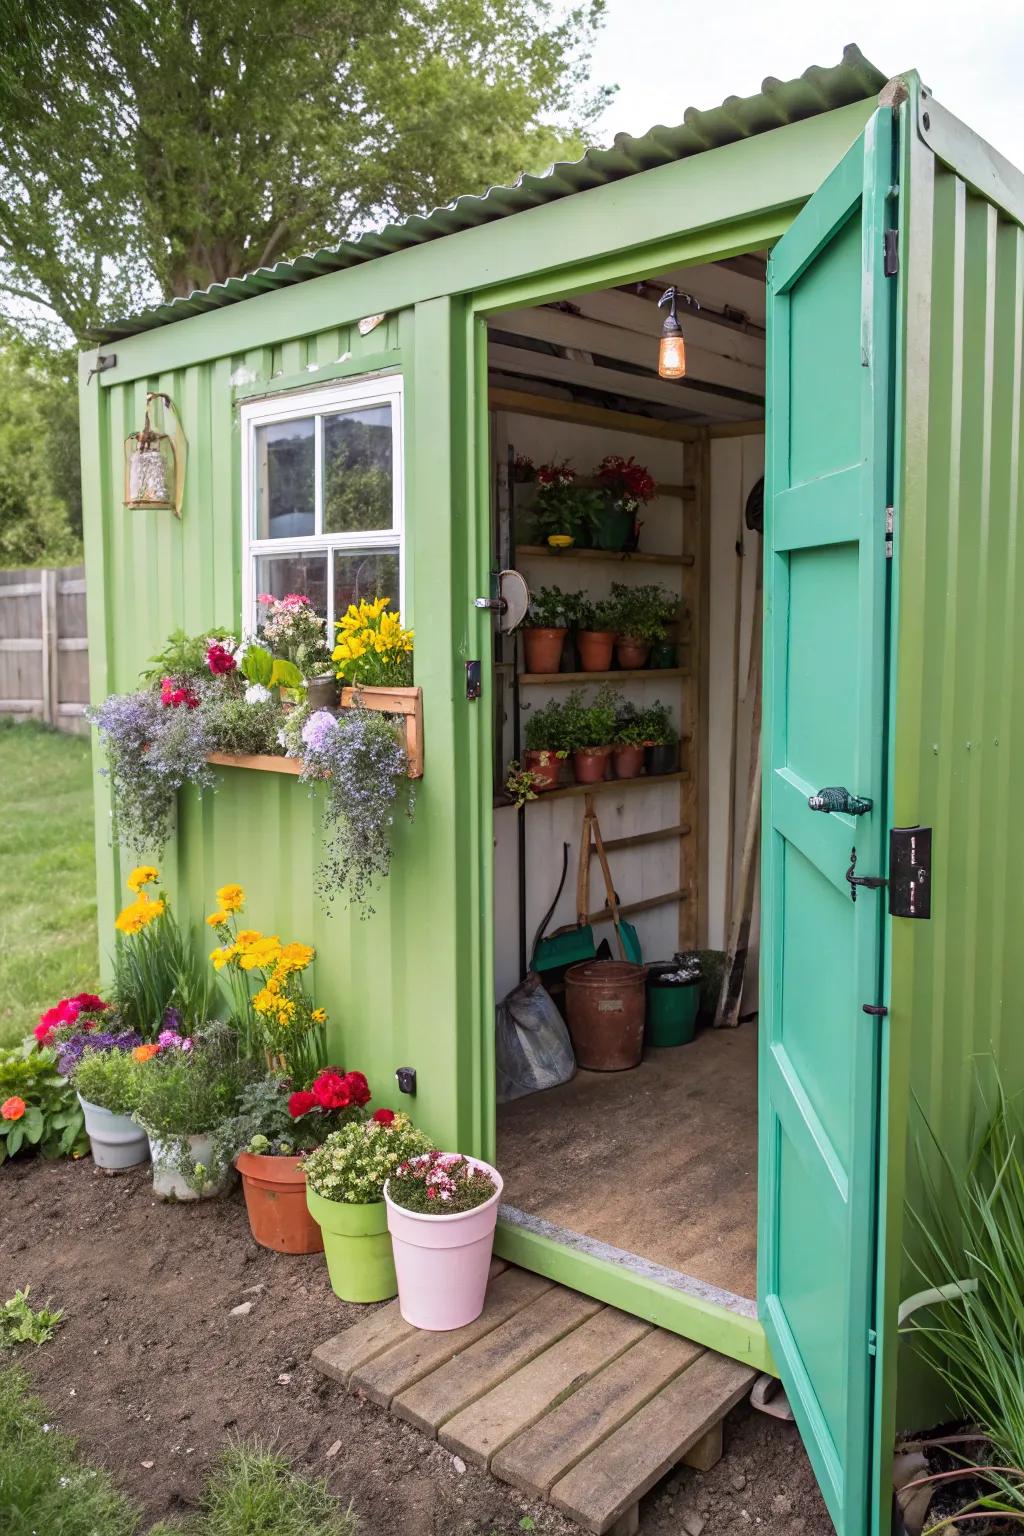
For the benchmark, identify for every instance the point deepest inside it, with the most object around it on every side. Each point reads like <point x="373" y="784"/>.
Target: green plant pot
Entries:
<point x="663" y="654"/>
<point x="613" y="526"/>
<point x="357" y="1246"/>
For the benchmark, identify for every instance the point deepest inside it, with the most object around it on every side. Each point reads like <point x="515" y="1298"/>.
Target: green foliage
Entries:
<point x="40" y="488"/>
<point x="655" y="723"/>
<point x="52" y="1124"/>
<point x="156" y="969"/>
<point x="259" y="666"/>
<point x="548" y="608"/>
<point x="190" y="1093"/>
<point x="547" y="729"/>
<point x="591" y="725"/>
<point x="643" y="613"/>
<point x="47" y="874"/>
<point x="44" y="1485"/>
<point x="630" y="730"/>
<point x="184" y="656"/>
<point x="520" y="784"/>
<point x="263" y="1125"/>
<point x="244" y="728"/>
<point x="20" y="1324"/>
<point x="109" y="1079"/>
<point x="165" y="146"/>
<point x="356" y="1161"/>
<point x="254" y="1491"/>
<point x="597" y="617"/>
<point x="567" y="509"/>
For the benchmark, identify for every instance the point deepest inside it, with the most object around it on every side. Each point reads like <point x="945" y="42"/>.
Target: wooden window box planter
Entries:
<point x="407" y="702"/>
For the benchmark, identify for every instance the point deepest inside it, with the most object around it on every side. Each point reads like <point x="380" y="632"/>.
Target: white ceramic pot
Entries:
<point x="442" y="1262"/>
<point x="168" y="1181"/>
<point x="116" y="1141"/>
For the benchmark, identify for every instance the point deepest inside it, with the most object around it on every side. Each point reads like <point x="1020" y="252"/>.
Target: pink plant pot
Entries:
<point x="442" y="1261"/>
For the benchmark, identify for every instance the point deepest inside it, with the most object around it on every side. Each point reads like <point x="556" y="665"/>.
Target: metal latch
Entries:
<point x="910" y="871"/>
<point x="870" y="882"/>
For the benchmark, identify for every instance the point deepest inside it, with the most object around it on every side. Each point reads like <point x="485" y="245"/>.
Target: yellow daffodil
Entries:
<point x="143" y="874"/>
<point x="217" y="919"/>
<point x="231" y="898"/>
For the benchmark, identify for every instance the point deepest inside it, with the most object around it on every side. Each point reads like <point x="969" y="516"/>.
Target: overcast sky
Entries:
<point x="665" y="55"/>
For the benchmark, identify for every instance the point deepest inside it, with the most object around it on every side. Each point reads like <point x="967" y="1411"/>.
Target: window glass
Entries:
<point x="285" y="479"/>
<point x="306" y="574"/>
<point x="358" y="491"/>
<point x="365" y="574"/>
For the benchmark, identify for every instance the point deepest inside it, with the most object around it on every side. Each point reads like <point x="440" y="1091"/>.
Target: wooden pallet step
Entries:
<point x="535" y="1460"/>
<point x="489" y="1423"/>
<point x="388" y="1375"/>
<point x="609" y="1482"/>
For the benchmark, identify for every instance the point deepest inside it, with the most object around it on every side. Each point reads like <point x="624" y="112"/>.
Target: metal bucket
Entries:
<point x="605" y="1003"/>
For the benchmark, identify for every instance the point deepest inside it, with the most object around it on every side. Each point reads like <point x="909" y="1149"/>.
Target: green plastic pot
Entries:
<point x="671" y="1008"/>
<point x="357" y="1245"/>
<point x="613" y="526"/>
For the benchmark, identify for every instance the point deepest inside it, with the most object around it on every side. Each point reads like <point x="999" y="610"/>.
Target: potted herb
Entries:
<point x="595" y="635"/>
<point x="589" y="733"/>
<point x="642" y="616"/>
<point x="547" y="745"/>
<point x="106" y="1079"/>
<point x="345" y="1181"/>
<point x="629" y="745"/>
<point x="662" y="740"/>
<point x="626" y="485"/>
<point x="187" y="1090"/>
<point x="545" y="630"/>
<point x="271" y="1134"/>
<point x="442" y="1210"/>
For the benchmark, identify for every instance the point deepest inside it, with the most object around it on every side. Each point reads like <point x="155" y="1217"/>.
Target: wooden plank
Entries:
<point x="640" y="674"/>
<point x="522" y="403"/>
<point x="620" y="1470"/>
<point x="629" y="908"/>
<point x="539" y="1458"/>
<point x="621" y="557"/>
<point x="72" y="643"/>
<point x="684" y="395"/>
<point x="518" y="1402"/>
<point x="735" y="429"/>
<point x="638" y="839"/>
<point x="20" y="589"/>
<point x="364" y="1341"/>
<point x="260" y="762"/>
<point x="436" y="1398"/>
<point x="22" y="643"/>
<point x="394" y="1372"/>
<point x="643" y="781"/>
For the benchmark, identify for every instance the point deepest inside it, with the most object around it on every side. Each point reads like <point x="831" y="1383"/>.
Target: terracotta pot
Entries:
<point x="275" y="1199"/>
<point x="628" y="761"/>
<point x="590" y="764"/>
<point x="605" y="1008"/>
<point x="595" y="648"/>
<point x="632" y="654"/>
<point x="543" y="649"/>
<point x="544" y="766"/>
<point x="442" y="1262"/>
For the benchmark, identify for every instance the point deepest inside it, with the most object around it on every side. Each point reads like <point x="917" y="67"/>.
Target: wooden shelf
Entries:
<point x="620" y="556"/>
<point x="642" y="674"/>
<point x="643" y="781"/>
<point x="261" y="762"/>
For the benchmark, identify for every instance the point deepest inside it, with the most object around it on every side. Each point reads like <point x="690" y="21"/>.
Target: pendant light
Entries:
<point x="672" y="348"/>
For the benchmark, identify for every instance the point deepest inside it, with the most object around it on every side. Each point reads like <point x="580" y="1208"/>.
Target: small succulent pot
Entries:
<point x="590" y="764"/>
<point x="322" y="692"/>
<point x="275" y="1200"/>
<point x="543" y="648"/>
<point x="663" y="654"/>
<point x="631" y="654"/>
<point x="628" y="761"/>
<point x="116" y="1141"/>
<point x="442" y="1262"/>
<point x="663" y="758"/>
<point x="545" y="768"/>
<point x="595" y="648"/>
<point x="357" y="1248"/>
<point x="169" y="1183"/>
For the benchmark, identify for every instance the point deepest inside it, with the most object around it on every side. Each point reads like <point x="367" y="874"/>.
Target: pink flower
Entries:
<point x="219" y="660"/>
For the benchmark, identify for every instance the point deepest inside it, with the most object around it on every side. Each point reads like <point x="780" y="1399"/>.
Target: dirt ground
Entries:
<point x="682" y="1127"/>
<point x="153" y="1374"/>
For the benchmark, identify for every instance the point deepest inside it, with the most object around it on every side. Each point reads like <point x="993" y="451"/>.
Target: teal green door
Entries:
<point x="826" y="643"/>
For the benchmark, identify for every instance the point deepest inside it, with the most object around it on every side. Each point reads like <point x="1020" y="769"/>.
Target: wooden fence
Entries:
<point x="44" y="652"/>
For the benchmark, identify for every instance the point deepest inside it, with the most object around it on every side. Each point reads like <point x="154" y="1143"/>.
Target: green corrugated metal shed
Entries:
<point x="414" y="986"/>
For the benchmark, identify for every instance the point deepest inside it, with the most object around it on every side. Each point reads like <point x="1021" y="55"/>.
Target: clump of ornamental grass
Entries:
<point x="159" y="979"/>
<point x="440" y="1184"/>
<point x="255" y="1491"/>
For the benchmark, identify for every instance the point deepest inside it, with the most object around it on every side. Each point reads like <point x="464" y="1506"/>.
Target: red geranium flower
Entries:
<point x="43" y="1032"/>
<point x="219" y="660"/>
<point x="358" y="1088"/>
<point x="301" y="1103"/>
<point x="64" y="1012"/>
<point x="384" y="1116"/>
<point x="331" y="1091"/>
<point x="172" y="695"/>
<point x="89" y="1002"/>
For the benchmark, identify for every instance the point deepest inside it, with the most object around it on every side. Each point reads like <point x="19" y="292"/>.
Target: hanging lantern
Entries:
<point x="672" y="348"/>
<point x="154" y="463"/>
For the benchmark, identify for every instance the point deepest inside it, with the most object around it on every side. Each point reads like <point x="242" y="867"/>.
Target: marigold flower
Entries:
<point x="145" y="1052"/>
<point x="319" y="1015"/>
<point x="264" y="1001"/>
<point x="231" y="898"/>
<point x="246" y="936"/>
<point x="222" y="954"/>
<point x="262" y="954"/>
<point x="217" y="919"/>
<point x="295" y="957"/>
<point x="129" y="919"/>
<point x="12" y="1108"/>
<point x="142" y="874"/>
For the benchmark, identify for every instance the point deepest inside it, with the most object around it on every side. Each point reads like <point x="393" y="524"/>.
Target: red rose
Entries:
<point x="301" y="1103"/>
<point x="384" y="1116"/>
<point x="330" y="1091"/>
<point x="219" y="660"/>
<point x="358" y="1088"/>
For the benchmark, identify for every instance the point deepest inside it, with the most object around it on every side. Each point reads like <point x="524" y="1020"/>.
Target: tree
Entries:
<point x="40" y="492"/>
<point x="158" y="146"/>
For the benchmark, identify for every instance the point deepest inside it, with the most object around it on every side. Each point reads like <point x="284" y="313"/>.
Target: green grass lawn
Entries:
<point x="48" y="945"/>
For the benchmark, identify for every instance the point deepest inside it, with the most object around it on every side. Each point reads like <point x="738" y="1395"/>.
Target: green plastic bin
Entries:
<point x="671" y="1007"/>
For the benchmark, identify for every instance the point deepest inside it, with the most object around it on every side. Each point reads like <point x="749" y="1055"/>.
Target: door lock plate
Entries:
<point x="910" y="872"/>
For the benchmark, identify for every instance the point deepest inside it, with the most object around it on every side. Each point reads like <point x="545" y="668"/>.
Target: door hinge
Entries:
<point x="890" y="516"/>
<point x="891" y="264"/>
<point x="872" y="1342"/>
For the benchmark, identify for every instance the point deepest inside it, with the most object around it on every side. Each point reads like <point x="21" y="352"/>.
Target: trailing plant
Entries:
<point x="155" y="744"/>
<point x="591" y="725"/>
<point x="354" y="1163"/>
<point x="39" y="1110"/>
<point x="547" y="730"/>
<point x="72" y="1046"/>
<point x="110" y="1078"/>
<point x="440" y="1184"/>
<point x="520" y="784"/>
<point x="361" y="760"/>
<point x="373" y="650"/>
<point x="642" y="613"/>
<point x="22" y="1324"/>
<point x="547" y="608"/>
<point x="156" y="968"/>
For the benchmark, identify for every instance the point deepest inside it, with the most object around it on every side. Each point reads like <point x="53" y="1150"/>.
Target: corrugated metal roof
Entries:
<point x="779" y="102"/>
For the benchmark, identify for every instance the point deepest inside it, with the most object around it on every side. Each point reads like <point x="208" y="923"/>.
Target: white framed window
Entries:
<point x="323" y="497"/>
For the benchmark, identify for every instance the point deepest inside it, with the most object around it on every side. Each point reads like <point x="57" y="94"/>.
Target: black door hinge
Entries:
<point x="892" y="252"/>
<point x="890" y="515"/>
<point x="876" y="1010"/>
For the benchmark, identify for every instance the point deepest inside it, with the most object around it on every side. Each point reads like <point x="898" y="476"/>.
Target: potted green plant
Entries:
<point x="187" y="1090"/>
<point x="564" y="513"/>
<point x="626" y="486"/>
<point x="662" y="740"/>
<point x="545" y="631"/>
<point x="442" y="1209"/>
<point x="630" y="744"/>
<point x="595" y="635"/>
<point x="106" y="1079"/>
<point x="642" y="615"/>
<point x="547" y="745"/>
<point x="590" y="729"/>
<point x="345" y="1181"/>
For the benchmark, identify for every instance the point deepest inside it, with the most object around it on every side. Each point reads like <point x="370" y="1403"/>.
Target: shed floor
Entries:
<point x="660" y="1161"/>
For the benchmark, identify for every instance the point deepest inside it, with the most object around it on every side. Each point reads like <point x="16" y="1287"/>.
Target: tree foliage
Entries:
<point x="40" y="491"/>
<point x="157" y="146"/>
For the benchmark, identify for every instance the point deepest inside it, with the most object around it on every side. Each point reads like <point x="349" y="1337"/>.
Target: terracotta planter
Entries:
<point x="605" y="1007"/>
<point x="632" y="654"/>
<point x="545" y="767"/>
<point x="595" y="648"/>
<point x="628" y="761"/>
<point x="442" y="1261"/>
<point x="275" y="1199"/>
<point x="543" y="649"/>
<point x="590" y="764"/>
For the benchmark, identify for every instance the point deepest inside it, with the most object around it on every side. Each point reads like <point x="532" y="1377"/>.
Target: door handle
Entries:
<point x="837" y="798"/>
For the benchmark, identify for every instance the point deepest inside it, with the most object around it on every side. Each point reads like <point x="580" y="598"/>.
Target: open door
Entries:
<point x="830" y="404"/>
